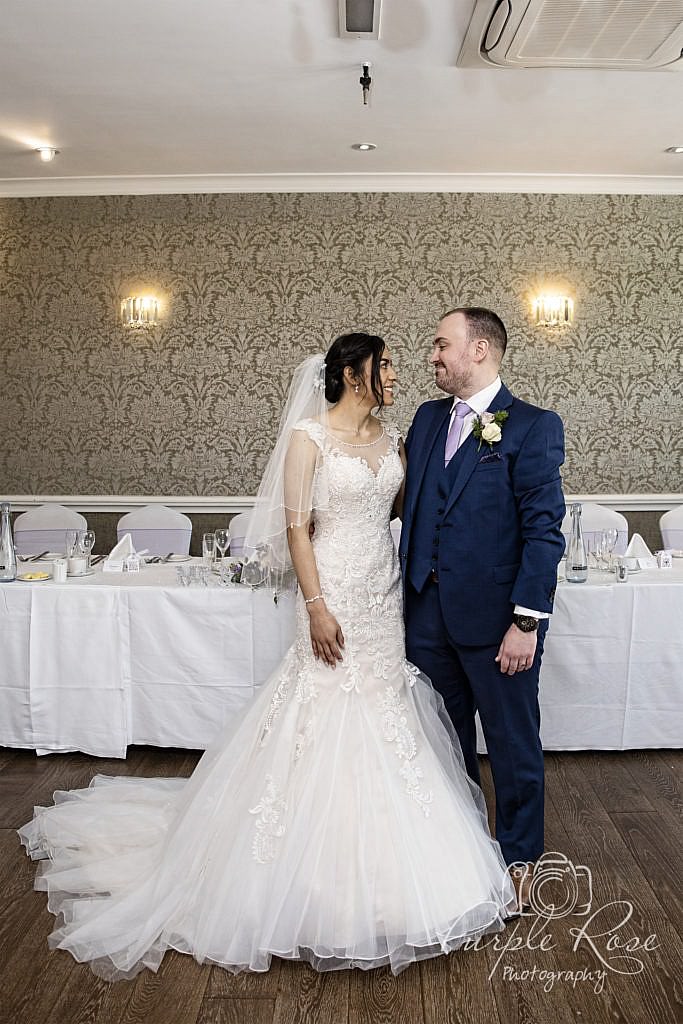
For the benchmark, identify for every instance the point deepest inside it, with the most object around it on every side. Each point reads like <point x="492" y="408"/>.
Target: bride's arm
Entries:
<point x="327" y="638"/>
<point x="397" y="510"/>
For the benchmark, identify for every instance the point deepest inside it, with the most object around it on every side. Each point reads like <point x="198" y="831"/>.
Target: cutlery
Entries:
<point x="166" y="557"/>
<point x="95" y="559"/>
<point x="37" y="558"/>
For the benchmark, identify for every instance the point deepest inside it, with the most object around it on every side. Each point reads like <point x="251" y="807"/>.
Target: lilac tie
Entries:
<point x="455" y="430"/>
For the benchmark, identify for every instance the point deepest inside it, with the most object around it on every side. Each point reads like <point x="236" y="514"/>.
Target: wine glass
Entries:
<point x="601" y="550"/>
<point x="611" y="537"/>
<point x="88" y="541"/>
<point x="222" y="543"/>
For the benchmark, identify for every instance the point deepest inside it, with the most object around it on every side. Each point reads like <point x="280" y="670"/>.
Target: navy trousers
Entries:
<point x="469" y="679"/>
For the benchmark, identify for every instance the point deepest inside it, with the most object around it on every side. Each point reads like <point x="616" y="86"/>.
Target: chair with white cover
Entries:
<point x="671" y="528"/>
<point x="238" y="531"/>
<point x="158" y="529"/>
<point x="44" y="528"/>
<point x="594" y="518"/>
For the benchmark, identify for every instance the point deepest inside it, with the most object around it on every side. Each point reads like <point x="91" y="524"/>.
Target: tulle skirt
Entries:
<point x="330" y="824"/>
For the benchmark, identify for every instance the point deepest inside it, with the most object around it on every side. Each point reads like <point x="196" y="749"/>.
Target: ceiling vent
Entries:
<point x="623" y="35"/>
<point x="359" y="19"/>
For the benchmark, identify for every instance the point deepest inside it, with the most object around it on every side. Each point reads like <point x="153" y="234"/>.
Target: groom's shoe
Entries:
<point x="522" y="875"/>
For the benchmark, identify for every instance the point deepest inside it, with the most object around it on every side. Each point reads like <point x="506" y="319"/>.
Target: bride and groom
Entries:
<point x="340" y="820"/>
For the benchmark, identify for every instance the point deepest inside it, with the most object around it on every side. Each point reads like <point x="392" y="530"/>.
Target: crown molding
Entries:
<point x="242" y="503"/>
<point x="181" y="184"/>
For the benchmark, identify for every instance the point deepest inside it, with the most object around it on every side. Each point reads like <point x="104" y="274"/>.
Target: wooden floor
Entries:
<point x="619" y="815"/>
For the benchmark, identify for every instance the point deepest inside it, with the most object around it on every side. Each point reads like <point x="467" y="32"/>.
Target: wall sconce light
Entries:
<point x="553" y="310"/>
<point x="47" y="153"/>
<point x="140" y="312"/>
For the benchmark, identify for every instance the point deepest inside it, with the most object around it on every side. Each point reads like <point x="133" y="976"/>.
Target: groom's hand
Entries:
<point x="516" y="653"/>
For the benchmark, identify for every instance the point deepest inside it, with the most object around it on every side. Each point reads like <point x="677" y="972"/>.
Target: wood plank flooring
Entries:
<point x="618" y="814"/>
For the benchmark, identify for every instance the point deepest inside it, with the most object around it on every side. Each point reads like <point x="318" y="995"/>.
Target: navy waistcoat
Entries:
<point x="431" y="503"/>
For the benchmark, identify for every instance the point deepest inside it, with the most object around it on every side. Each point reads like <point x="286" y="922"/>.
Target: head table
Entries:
<point x="104" y="661"/>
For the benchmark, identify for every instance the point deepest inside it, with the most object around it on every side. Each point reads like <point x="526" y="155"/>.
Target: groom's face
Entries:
<point x="452" y="356"/>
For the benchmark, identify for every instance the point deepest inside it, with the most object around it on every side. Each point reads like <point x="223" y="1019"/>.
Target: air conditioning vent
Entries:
<point x="359" y="19"/>
<point x="631" y="35"/>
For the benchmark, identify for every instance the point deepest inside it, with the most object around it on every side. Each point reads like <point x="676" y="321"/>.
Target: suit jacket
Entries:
<point x="500" y="536"/>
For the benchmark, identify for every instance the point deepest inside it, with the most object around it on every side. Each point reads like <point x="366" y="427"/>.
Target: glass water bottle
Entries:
<point x="576" y="568"/>
<point x="8" y="558"/>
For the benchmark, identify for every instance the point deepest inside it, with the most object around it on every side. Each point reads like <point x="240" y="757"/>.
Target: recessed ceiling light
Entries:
<point x="364" y="147"/>
<point x="47" y="153"/>
<point x="674" y="149"/>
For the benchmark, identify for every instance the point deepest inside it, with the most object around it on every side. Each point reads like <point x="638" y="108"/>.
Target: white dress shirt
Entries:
<point x="479" y="403"/>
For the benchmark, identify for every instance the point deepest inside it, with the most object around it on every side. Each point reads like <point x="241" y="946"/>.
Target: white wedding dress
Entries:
<point x="333" y="822"/>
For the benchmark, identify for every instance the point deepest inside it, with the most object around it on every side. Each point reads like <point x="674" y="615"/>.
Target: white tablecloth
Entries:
<point x="612" y="670"/>
<point x="97" y="664"/>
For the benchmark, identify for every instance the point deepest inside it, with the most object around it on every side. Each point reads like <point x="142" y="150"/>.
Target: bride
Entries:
<point x="334" y="822"/>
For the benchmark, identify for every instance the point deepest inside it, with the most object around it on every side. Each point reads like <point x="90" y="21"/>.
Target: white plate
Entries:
<point x="677" y="554"/>
<point x="24" y="579"/>
<point x="177" y="558"/>
<point x="77" y="575"/>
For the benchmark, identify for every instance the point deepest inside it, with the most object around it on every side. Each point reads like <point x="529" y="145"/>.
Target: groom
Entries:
<point x="480" y="544"/>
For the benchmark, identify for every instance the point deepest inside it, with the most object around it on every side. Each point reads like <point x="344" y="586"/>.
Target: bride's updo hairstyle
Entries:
<point x="353" y="350"/>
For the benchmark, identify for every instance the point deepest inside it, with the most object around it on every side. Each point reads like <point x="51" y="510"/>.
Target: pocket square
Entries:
<point x="491" y="457"/>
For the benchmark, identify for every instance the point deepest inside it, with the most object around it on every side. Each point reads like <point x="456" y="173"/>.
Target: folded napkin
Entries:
<point x="119" y="555"/>
<point x="637" y="548"/>
<point x="640" y="553"/>
<point x="122" y="549"/>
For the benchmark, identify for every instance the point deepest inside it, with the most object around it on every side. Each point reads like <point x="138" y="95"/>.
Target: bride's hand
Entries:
<point x="327" y="638"/>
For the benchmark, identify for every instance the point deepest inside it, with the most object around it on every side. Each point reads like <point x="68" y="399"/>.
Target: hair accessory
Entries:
<point x="319" y="382"/>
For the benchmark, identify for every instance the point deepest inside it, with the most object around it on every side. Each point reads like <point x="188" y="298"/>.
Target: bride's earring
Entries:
<point x="357" y="388"/>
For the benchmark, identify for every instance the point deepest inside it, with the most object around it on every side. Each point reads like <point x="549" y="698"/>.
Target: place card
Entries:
<point x="112" y="565"/>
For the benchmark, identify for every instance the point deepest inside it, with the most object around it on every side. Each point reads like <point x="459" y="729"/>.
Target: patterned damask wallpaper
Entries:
<point x="251" y="284"/>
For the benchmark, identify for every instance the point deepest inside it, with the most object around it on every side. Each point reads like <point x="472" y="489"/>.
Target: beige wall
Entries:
<point x="253" y="283"/>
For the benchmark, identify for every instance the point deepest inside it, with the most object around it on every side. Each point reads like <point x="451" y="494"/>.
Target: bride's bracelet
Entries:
<point x="310" y="600"/>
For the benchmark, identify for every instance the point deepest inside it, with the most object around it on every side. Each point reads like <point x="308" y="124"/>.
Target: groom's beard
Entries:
<point x="453" y="383"/>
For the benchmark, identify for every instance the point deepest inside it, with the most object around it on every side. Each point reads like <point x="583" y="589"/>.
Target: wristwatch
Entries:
<point x="527" y="623"/>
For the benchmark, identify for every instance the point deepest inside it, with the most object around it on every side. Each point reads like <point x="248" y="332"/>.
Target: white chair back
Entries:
<point x="671" y="528"/>
<point x="238" y="531"/>
<point x="44" y="528"/>
<point x="159" y="529"/>
<point x="594" y="518"/>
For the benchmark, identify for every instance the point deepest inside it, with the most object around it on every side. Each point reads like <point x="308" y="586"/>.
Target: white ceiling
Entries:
<point x="147" y="95"/>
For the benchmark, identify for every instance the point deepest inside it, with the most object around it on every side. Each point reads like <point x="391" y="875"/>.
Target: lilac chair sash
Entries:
<point x="673" y="538"/>
<point x="158" y="542"/>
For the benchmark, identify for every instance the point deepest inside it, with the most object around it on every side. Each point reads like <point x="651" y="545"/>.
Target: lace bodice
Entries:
<point x="354" y="550"/>
<point x="353" y="492"/>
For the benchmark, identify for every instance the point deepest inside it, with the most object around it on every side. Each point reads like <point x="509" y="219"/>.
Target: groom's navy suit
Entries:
<point x="479" y="537"/>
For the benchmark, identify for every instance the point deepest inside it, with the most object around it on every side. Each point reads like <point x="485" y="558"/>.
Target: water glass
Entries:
<point x="183" y="574"/>
<point x="208" y="550"/>
<point x="71" y="542"/>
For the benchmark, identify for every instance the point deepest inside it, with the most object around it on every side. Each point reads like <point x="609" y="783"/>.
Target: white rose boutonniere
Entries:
<point x="488" y="427"/>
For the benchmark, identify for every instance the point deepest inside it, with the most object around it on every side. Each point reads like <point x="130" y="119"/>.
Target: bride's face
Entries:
<point x="387" y="376"/>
